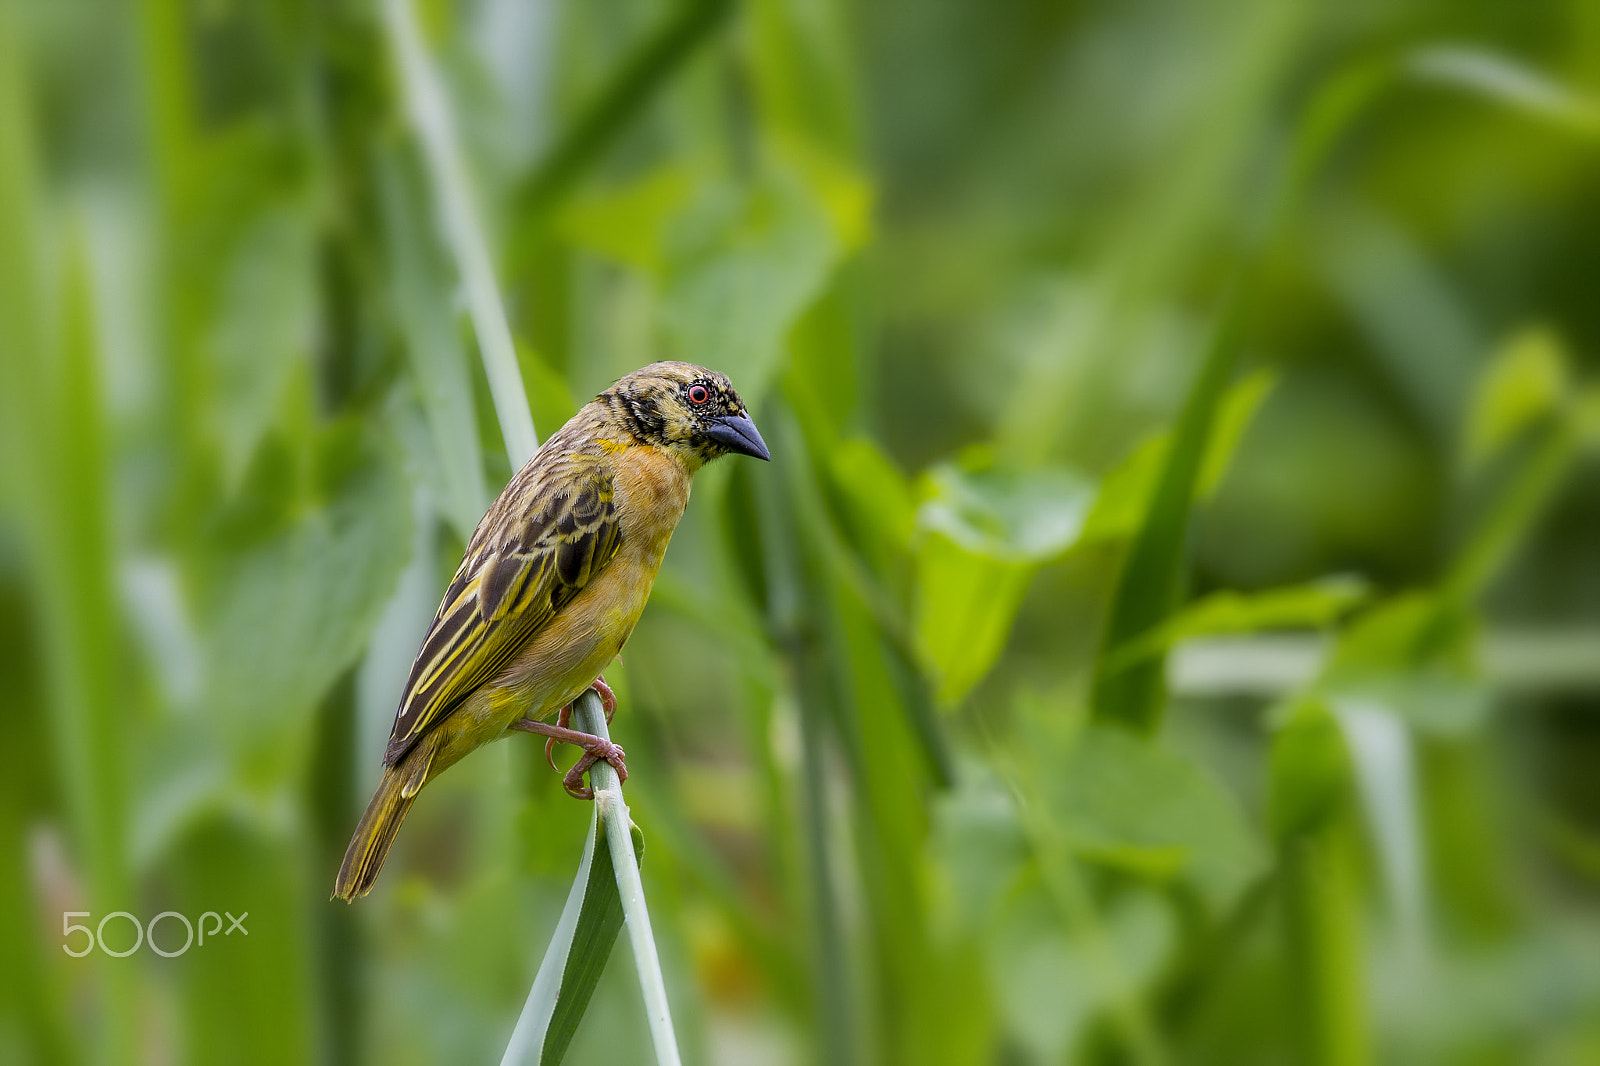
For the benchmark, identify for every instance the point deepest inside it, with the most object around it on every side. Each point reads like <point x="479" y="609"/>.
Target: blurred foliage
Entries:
<point x="1091" y="340"/>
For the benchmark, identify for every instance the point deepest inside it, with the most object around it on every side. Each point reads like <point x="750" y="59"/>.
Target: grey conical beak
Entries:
<point x="738" y="434"/>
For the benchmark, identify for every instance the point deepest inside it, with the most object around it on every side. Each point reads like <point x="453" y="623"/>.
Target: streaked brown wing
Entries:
<point x="547" y="536"/>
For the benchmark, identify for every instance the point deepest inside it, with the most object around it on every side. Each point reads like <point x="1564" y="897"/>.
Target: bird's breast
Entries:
<point x="651" y="491"/>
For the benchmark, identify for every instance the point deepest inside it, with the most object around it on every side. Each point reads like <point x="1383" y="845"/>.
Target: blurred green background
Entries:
<point x="1168" y="632"/>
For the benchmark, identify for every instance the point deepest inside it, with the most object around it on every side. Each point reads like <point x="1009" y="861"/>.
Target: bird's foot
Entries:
<point x="603" y="749"/>
<point x="594" y="749"/>
<point x="608" y="700"/>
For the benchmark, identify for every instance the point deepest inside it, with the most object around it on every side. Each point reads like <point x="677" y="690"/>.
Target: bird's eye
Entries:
<point x="699" y="394"/>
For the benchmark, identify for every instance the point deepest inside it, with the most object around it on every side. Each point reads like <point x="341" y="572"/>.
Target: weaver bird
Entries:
<point x="550" y="588"/>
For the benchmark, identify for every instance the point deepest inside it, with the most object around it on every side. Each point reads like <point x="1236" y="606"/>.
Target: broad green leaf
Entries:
<point x="736" y="262"/>
<point x="876" y="499"/>
<point x="1525" y="381"/>
<point x="261" y="335"/>
<point x="987" y="532"/>
<point x="1054" y="981"/>
<point x="843" y="191"/>
<point x="306" y="595"/>
<point x="1127" y="802"/>
<point x="1015" y="516"/>
<point x="979" y="848"/>
<point x="629" y="223"/>
<point x="1314" y="606"/>
<point x="962" y="612"/>
<point x="1125" y="492"/>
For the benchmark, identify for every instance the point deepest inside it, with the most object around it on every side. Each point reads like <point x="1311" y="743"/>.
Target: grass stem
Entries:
<point x="589" y="716"/>
<point x="429" y="112"/>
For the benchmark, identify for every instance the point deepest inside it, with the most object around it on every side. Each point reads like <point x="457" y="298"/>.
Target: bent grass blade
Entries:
<point x="606" y="893"/>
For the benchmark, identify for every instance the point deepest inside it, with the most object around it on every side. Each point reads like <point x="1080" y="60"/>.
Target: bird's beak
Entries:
<point x="738" y="434"/>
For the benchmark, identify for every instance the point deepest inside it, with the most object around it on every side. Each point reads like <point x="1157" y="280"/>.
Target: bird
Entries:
<point x="550" y="587"/>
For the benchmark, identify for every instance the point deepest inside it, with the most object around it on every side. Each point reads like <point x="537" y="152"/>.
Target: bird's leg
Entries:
<point x="608" y="699"/>
<point x="563" y="719"/>
<point x="594" y="749"/>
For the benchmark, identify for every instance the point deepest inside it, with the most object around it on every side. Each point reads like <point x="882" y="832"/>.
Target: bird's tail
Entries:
<point x="397" y="790"/>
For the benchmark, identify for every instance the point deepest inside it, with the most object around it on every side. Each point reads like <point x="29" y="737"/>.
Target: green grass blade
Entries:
<point x="429" y="112"/>
<point x="606" y="891"/>
<point x="432" y="343"/>
<point x="1151" y="582"/>
<point x="1322" y="915"/>
<point x="624" y="97"/>
<point x="625" y="848"/>
<point x="599" y="922"/>
<point x="531" y="1034"/>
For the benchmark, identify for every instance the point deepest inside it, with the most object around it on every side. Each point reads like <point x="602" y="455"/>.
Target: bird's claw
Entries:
<point x="608" y="699"/>
<point x="593" y="753"/>
<point x="564" y="720"/>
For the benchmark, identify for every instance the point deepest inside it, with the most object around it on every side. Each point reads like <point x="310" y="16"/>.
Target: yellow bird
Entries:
<point x="550" y="588"/>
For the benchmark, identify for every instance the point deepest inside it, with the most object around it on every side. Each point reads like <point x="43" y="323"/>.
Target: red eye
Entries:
<point x="699" y="394"/>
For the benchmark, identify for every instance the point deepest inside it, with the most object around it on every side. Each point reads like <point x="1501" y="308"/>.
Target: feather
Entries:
<point x="552" y="531"/>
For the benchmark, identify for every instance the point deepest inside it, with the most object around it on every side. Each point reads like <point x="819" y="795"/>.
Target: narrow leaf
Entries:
<point x="1152" y="577"/>
<point x="599" y="922"/>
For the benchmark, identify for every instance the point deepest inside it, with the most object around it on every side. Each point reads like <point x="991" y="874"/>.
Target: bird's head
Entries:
<point x="692" y="412"/>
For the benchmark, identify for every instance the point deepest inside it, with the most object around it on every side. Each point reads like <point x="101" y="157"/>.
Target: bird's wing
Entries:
<point x="541" y="543"/>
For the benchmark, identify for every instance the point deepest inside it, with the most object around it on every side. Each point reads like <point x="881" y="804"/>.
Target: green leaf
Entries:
<point x="1308" y="770"/>
<point x="962" y="613"/>
<point x="261" y="335"/>
<point x="599" y="922"/>
<point x="1127" y="491"/>
<point x="1151" y="582"/>
<point x="603" y="898"/>
<point x="419" y="290"/>
<point x="284" y="614"/>
<point x="1417" y="656"/>
<point x="876" y="495"/>
<point x="1015" y="516"/>
<point x="1053" y="982"/>
<point x="1127" y="802"/>
<point x="1237" y="411"/>
<point x="987" y="533"/>
<point x="1525" y="381"/>
<point x="1315" y="605"/>
<point x="628" y="223"/>
<point x="736" y="262"/>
